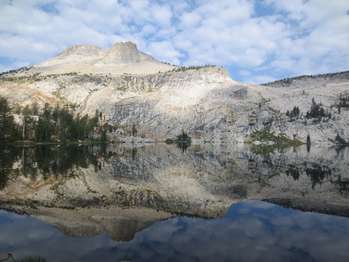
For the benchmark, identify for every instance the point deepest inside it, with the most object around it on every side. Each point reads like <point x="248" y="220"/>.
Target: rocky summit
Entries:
<point x="134" y="91"/>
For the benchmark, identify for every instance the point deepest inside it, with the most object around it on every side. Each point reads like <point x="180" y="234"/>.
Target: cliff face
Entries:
<point x="328" y="90"/>
<point x="131" y="89"/>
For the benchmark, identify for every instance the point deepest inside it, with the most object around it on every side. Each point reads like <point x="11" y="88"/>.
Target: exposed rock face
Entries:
<point x="131" y="88"/>
<point x="326" y="89"/>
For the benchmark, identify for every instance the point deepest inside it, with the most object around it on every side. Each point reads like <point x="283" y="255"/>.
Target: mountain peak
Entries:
<point x="124" y="53"/>
<point x="124" y="45"/>
<point x="122" y="57"/>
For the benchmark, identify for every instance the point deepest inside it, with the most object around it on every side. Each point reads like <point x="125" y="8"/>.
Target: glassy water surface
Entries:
<point x="208" y="198"/>
<point x="250" y="231"/>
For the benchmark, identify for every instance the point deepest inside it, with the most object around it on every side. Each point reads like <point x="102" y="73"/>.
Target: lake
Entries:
<point x="164" y="203"/>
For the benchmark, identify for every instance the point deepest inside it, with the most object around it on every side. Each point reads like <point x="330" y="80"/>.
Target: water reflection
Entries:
<point x="165" y="177"/>
<point x="250" y="231"/>
<point x="48" y="160"/>
<point x="51" y="181"/>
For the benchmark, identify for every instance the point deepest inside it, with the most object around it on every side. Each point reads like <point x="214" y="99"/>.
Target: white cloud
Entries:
<point x="165" y="51"/>
<point x="293" y="37"/>
<point x="162" y="15"/>
<point x="190" y="19"/>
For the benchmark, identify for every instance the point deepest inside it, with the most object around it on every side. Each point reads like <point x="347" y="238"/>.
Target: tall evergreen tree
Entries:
<point x="8" y="127"/>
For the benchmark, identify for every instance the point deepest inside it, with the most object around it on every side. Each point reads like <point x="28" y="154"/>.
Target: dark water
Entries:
<point x="250" y="231"/>
<point x="319" y="166"/>
<point x="48" y="160"/>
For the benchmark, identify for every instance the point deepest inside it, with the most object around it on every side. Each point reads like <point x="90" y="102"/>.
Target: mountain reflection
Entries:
<point x="109" y="203"/>
<point x="232" y="172"/>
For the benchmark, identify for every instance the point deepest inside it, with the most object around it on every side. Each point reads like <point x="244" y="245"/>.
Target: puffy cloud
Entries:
<point x="268" y="39"/>
<point x="165" y="51"/>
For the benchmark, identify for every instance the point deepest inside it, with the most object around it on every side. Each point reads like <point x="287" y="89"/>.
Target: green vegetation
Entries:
<point x="49" y="125"/>
<point x="8" y="127"/>
<point x="270" y="141"/>
<point x="183" y="141"/>
<point x="60" y="125"/>
<point x="317" y="111"/>
<point x="183" y="138"/>
<point x="293" y="114"/>
<point x="343" y="102"/>
<point x="265" y="136"/>
<point x="186" y="68"/>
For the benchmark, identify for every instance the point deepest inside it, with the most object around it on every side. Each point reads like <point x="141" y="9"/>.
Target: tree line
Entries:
<point x="48" y="124"/>
<point x="316" y="111"/>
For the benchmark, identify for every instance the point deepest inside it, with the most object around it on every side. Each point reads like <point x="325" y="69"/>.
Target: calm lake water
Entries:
<point x="180" y="180"/>
<point x="250" y="231"/>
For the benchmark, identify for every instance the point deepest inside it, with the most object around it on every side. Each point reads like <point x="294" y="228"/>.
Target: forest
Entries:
<point x="48" y="125"/>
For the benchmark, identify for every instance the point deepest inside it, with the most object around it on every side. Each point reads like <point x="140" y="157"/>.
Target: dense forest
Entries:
<point x="47" y="125"/>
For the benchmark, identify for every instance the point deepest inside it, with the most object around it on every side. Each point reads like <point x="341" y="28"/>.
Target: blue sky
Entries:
<point x="256" y="40"/>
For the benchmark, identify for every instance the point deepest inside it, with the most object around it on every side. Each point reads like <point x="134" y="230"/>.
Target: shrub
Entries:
<point x="294" y="113"/>
<point x="266" y="135"/>
<point x="317" y="111"/>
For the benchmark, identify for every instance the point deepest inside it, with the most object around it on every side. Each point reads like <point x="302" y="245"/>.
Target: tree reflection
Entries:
<point x="47" y="160"/>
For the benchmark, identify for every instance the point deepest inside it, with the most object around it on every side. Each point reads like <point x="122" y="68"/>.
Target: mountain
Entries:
<point x="135" y="92"/>
<point x="308" y="80"/>
<point x="121" y="58"/>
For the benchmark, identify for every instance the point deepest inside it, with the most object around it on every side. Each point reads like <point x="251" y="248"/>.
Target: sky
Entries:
<point x="256" y="40"/>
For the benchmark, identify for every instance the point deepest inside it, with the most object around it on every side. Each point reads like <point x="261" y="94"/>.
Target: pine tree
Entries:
<point x="44" y="128"/>
<point x="8" y="128"/>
